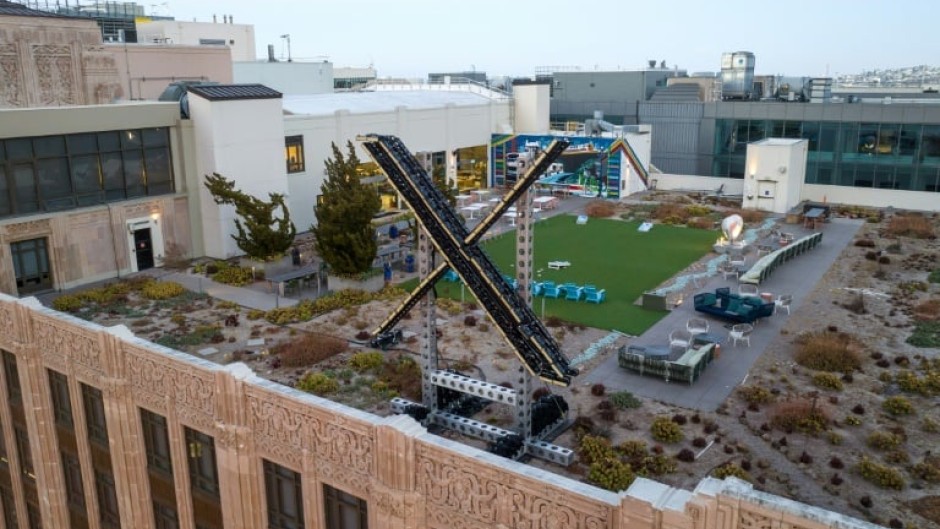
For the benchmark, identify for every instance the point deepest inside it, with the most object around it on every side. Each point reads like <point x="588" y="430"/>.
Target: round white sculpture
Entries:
<point x="732" y="227"/>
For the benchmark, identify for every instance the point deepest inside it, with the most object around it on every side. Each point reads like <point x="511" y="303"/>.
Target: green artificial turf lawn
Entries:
<point x="610" y="254"/>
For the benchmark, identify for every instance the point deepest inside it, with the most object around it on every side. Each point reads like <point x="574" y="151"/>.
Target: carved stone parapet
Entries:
<point x="27" y="230"/>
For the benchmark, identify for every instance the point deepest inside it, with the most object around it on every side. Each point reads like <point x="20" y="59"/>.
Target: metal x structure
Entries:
<point x="515" y="320"/>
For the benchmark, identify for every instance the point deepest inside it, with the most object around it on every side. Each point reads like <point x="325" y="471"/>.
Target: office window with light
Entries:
<point x="294" y="152"/>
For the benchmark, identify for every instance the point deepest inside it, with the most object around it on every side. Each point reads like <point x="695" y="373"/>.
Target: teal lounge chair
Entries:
<point x="573" y="292"/>
<point x="595" y="296"/>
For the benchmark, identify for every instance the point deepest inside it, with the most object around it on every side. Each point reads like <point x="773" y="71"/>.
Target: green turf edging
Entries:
<point x="610" y="254"/>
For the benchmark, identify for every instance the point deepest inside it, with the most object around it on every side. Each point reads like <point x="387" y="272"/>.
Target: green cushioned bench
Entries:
<point x="686" y="368"/>
<point x="768" y="263"/>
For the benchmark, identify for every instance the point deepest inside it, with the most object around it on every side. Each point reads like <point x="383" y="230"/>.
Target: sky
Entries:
<point x="409" y="38"/>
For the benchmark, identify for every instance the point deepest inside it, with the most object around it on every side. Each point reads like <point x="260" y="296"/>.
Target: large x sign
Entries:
<point x="515" y="320"/>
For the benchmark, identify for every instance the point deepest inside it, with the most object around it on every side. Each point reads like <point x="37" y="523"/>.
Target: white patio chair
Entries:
<point x="783" y="302"/>
<point x="696" y="326"/>
<point x="747" y="289"/>
<point x="728" y="270"/>
<point x="680" y="339"/>
<point x="741" y="332"/>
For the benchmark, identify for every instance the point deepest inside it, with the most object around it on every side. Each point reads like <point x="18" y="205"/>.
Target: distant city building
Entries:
<point x="345" y="78"/>
<point x="295" y="77"/>
<point x="239" y="38"/>
<point x="478" y="77"/>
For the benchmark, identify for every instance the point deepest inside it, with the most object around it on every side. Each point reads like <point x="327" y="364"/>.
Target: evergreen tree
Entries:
<point x="261" y="235"/>
<point x="345" y="237"/>
<point x="439" y="177"/>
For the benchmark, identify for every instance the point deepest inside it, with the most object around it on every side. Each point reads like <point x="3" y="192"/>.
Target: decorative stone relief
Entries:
<point x="443" y="518"/>
<point x="388" y="504"/>
<point x="275" y="424"/>
<point x="752" y="520"/>
<point x="24" y="230"/>
<point x="54" y="72"/>
<point x="357" y="484"/>
<point x="58" y="341"/>
<point x="466" y="491"/>
<point x="155" y="380"/>
<point x="6" y="322"/>
<point x="343" y="447"/>
<point x="11" y="89"/>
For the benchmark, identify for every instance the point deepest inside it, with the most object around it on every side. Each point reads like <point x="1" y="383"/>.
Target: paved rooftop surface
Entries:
<point x="797" y="277"/>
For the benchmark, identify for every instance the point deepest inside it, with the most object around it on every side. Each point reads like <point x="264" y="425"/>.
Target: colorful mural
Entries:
<point x="591" y="166"/>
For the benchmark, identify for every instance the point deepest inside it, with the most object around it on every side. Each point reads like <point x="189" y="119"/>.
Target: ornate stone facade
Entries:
<point x="47" y="61"/>
<point x="409" y="478"/>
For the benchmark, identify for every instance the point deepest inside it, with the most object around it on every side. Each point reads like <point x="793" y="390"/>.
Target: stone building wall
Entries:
<point x="47" y="61"/>
<point x="91" y="244"/>
<point x="409" y="478"/>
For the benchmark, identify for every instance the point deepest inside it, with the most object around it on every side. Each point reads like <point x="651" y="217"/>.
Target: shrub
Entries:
<point x="318" y="384"/>
<point x="680" y="419"/>
<point x="799" y="415"/>
<point x="157" y="290"/>
<point x="828" y="351"/>
<point x="699" y="442"/>
<point x="866" y="501"/>
<point x="928" y="310"/>
<point x="934" y="276"/>
<point x="927" y="385"/>
<point x="613" y="475"/>
<point x="927" y="470"/>
<point x="729" y="470"/>
<point x="851" y="420"/>
<point x="233" y="275"/>
<point x="255" y="314"/>
<point x="926" y="334"/>
<point x="882" y="476"/>
<point x="914" y="226"/>
<point x="366" y="361"/>
<point x="665" y="430"/>
<point x="624" y="399"/>
<point x="633" y="449"/>
<point x="655" y="465"/>
<point x="685" y="455"/>
<point x="882" y="440"/>
<point x="700" y="223"/>
<point x="756" y="394"/>
<point x="308" y="349"/>
<point x="836" y="463"/>
<point x="67" y="303"/>
<point x="600" y="209"/>
<point x="884" y="259"/>
<point x="827" y="381"/>
<point x="674" y="212"/>
<point x="897" y="406"/>
<point x="865" y="243"/>
<point x="307" y="309"/>
<point x="403" y="375"/>
<point x="598" y="390"/>
<point x="470" y="320"/>
<point x="595" y="449"/>
<point x="695" y="210"/>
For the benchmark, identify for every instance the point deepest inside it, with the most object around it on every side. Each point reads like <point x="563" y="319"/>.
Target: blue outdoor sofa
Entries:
<point x="741" y="309"/>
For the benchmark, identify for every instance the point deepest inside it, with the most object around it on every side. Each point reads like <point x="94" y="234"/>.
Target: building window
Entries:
<point x="61" y="403"/>
<point x="107" y="500"/>
<point x="54" y="173"/>
<point x="32" y="515"/>
<point x="294" y="150"/>
<point x="156" y="441"/>
<point x="31" y="266"/>
<point x="94" y="415"/>
<point x="74" y="488"/>
<point x="165" y="517"/>
<point x="343" y="510"/>
<point x="284" y="497"/>
<point x="203" y="472"/>
<point x="9" y="507"/>
<point x="13" y="377"/>
<point x="22" y="450"/>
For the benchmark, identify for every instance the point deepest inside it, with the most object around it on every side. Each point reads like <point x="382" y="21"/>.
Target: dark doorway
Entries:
<point x="143" y="247"/>
<point x="31" y="266"/>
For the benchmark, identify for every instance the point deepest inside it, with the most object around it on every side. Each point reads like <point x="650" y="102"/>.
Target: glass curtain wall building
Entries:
<point x="857" y="153"/>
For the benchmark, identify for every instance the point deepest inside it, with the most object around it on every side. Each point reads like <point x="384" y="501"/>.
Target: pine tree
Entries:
<point x="439" y="177"/>
<point x="261" y="235"/>
<point x="345" y="238"/>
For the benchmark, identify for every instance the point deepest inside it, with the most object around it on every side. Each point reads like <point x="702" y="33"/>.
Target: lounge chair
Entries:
<point x="551" y="291"/>
<point x="573" y="292"/>
<point x="594" y="295"/>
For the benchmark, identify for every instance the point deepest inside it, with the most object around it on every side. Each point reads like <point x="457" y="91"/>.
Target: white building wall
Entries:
<point x="877" y="198"/>
<point x="680" y="182"/>
<point x="531" y="106"/>
<point x="774" y="172"/>
<point x="422" y="130"/>
<point x="287" y="77"/>
<point x="240" y="38"/>
<point x="242" y="140"/>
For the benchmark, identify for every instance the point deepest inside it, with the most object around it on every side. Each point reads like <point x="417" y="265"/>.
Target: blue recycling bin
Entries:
<point x="410" y="264"/>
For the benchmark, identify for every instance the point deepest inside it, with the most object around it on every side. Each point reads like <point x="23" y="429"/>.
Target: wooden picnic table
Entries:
<point x="813" y="217"/>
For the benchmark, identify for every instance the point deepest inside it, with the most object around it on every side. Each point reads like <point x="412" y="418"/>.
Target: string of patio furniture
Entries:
<point x="569" y="291"/>
<point x="766" y="265"/>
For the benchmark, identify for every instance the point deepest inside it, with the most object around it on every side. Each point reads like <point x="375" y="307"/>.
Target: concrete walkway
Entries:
<point x="797" y="277"/>
<point x="245" y="297"/>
